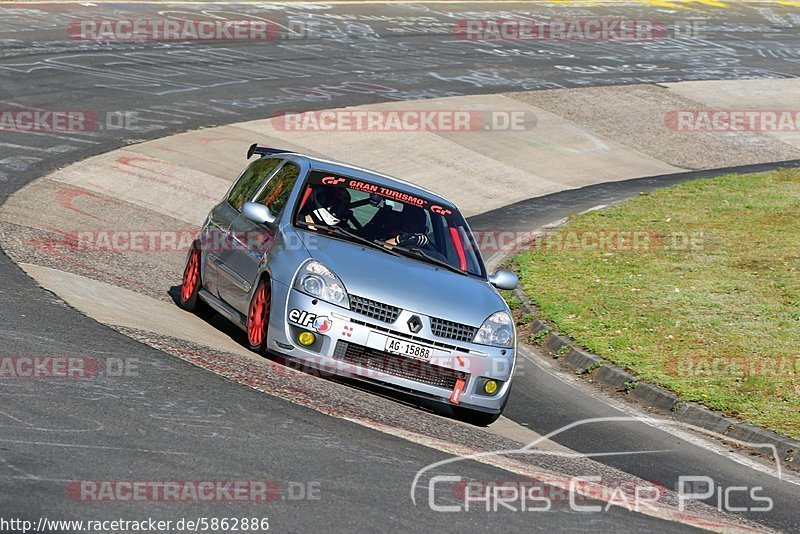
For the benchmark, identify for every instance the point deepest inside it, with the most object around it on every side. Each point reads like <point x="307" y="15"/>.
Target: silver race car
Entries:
<point x="357" y="274"/>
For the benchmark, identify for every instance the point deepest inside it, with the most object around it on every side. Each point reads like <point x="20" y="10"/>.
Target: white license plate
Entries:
<point x="404" y="348"/>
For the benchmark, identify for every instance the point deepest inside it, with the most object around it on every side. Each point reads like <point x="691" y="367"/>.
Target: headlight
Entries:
<point x="497" y="330"/>
<point x="318" y="281"/>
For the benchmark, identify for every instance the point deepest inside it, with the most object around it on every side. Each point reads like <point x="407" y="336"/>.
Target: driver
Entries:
<point x="412" y="230"/>
<point x="331" y="206"/>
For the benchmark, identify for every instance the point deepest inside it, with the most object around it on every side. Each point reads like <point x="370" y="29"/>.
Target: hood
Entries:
<point x="404" y="282"/>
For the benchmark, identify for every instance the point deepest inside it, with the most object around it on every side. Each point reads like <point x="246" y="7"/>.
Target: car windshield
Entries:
<point x="409" y="224"/>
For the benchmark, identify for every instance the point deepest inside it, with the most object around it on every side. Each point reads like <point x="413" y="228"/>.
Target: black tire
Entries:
<point x="474" y="417"/>
<point x="192" y="282"/>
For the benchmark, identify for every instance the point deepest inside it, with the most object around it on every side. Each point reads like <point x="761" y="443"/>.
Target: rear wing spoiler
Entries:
<point x="264" y="151"/>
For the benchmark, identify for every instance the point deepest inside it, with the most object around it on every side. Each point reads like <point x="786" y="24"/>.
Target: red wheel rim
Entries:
<point x="191" y="276"/>
<point x="258" y="318"/>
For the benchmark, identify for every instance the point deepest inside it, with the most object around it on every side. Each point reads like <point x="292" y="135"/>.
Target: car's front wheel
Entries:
<point x="474" y="417"/>
<point x="477" y="418"/>
<point x="258" y="318"/>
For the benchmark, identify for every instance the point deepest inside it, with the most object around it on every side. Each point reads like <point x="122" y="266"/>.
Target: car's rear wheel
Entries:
<point x="258" y="318"/>
<point x="190" y="288"/>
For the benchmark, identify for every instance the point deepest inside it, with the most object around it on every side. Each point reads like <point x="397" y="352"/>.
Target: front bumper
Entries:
<point x="355" y="345"/>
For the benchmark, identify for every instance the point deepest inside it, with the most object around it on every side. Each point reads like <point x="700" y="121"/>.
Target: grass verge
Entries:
<point x="695" y="288"/>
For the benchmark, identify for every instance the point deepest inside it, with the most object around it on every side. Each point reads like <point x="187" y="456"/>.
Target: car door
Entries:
<point x="224" y="218"/>
<point x="250" y="240"/>
<point x="213" y="235"/>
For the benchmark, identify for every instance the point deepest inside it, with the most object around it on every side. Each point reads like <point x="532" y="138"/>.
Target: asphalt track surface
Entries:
<point x="173" y="421"/>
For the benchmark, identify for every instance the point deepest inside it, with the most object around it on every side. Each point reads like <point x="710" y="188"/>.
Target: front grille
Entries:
<point x="376" y="310"/>
<point x="395" y="365"/>
<point x="451" y="330"/>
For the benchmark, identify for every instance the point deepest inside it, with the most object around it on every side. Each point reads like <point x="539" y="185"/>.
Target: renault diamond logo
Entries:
<point x="415" y="324"/>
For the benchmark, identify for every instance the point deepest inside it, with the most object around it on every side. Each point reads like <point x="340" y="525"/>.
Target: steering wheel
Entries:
<point x="352" y="222"/>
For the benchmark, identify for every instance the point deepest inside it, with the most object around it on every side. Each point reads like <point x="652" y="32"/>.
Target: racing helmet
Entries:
<point x="413" y="220"/>
<point x="332" y="204"/>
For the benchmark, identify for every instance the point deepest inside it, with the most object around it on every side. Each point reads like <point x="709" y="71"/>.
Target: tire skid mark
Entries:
<point x="66" y="197"/>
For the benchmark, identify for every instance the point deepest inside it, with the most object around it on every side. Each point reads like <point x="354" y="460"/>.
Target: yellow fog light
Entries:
<point x="306" y="338"/>
<point x="490" y="387"/>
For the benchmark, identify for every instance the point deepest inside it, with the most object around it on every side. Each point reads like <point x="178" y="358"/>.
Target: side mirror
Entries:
<point x="258" y="213"/>
<point x="504" y="280"/>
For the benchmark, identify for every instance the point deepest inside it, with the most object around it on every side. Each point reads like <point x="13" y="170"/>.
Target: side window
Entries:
<point x="250" y="180"/>
<point x="278" y="189"/>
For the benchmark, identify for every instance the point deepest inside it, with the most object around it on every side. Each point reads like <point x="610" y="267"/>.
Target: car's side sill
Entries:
<point x="229" y="313"/>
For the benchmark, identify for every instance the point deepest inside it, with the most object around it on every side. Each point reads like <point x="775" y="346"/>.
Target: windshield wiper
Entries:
<point x="415" y="252"/>
<point x="341" y="232"/>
